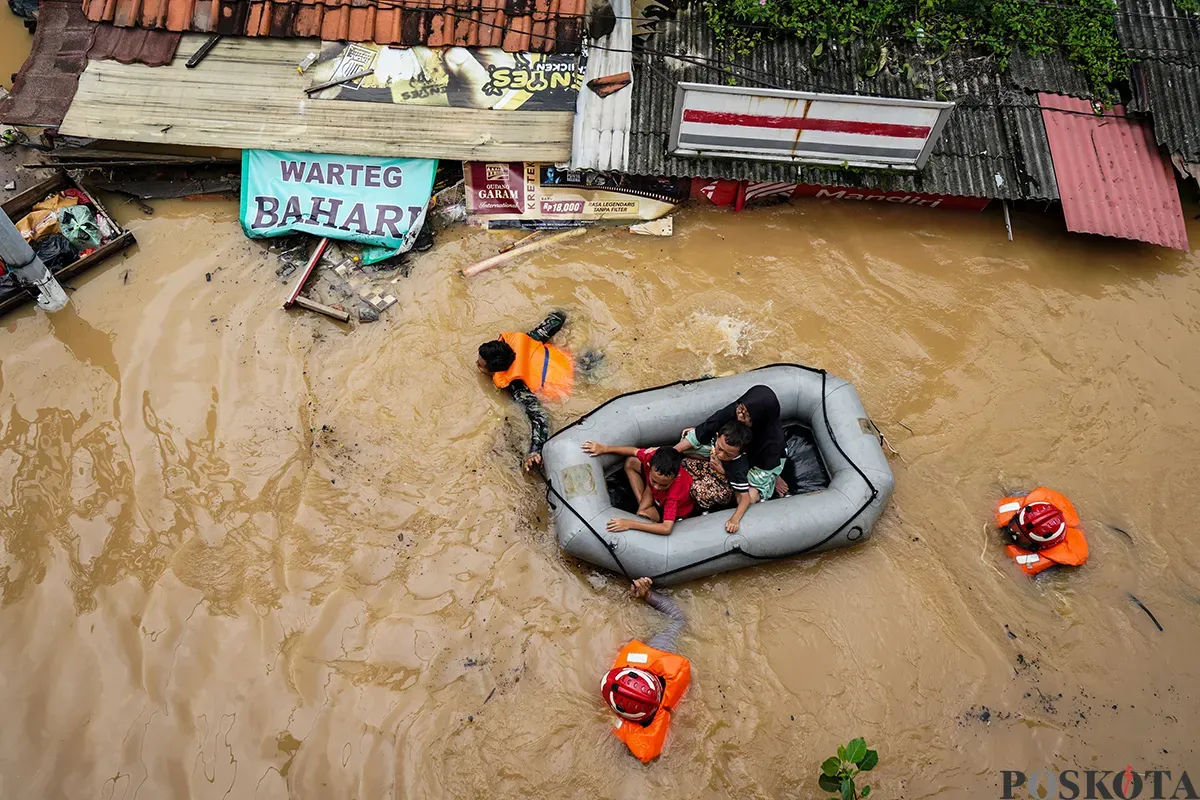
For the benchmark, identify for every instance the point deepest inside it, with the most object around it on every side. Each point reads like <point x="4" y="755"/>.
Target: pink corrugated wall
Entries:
<point x="1112" y="177"/>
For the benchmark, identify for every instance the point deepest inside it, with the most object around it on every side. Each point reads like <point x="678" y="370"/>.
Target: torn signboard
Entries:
<point x="538" y="194"/>
<point x="455" y="77"/>
<point x="739" y="194"/>
<point x="377" y="201"/>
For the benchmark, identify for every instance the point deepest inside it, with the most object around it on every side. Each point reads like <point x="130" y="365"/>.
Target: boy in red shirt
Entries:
<point x="662" y="488"/>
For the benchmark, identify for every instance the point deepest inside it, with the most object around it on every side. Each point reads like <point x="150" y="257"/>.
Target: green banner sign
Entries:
<point x="377" y="201"/>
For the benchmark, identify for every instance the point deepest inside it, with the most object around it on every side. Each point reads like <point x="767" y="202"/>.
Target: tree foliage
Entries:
<point x="1084" y="29"/>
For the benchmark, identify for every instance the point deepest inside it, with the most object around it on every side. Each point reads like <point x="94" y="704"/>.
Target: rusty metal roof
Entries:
<point x="515" y="25"/>
<point x="1112" y="178"/>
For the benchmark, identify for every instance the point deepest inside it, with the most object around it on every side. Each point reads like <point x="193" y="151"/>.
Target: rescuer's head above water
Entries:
<point x="1038" y="525"/>
<point x="634" y="694"/>
<point x="495" y="356"/>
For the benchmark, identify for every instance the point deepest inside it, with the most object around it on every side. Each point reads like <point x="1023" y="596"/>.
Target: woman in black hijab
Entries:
<point x="758" y="409"/>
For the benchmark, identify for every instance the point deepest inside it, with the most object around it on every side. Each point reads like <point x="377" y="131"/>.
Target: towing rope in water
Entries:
<point x="736" y="549"/>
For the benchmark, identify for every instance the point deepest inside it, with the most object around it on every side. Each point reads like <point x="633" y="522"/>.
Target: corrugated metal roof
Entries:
<point x="1166" y="82"/>
<point x="515" y="25"/>
<point x="994" y="144"/>
<point x="1158" y="30"/>
<point x="64" y="41"/>
<point x="1050" y="72"/>
<point x="601" y="139"/>
<point x="1171" y="94"/>
<point x="1113" y="179"/>
<point x="248" y="94"/>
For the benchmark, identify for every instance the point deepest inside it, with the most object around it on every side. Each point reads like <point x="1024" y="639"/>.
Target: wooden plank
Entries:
<point x="321" y="308"/>
<point x="249" y="95"/>
<point x="302" y="278"/>
<point x="22" y="297"/>
<point x="21" y="204"/>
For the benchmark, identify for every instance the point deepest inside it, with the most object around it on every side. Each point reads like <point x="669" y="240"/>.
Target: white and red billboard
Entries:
<point x="742" y="122"/>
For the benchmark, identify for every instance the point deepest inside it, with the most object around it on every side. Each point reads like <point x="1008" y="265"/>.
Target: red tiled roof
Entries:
<point x="515" y="25"/>
<point x="1112" y="177"/>
<point x="133" y="46"/>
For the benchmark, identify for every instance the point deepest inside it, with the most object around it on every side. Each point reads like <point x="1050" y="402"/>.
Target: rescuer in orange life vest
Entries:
<point x="647" y="681"/>
<point x="1044" y="529"/>
<point x="527" y="366"/>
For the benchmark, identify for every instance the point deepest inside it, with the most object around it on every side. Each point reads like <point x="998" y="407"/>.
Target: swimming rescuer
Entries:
<point x="647" y="681"/>
<point x="527" y="366"/>
<point x="1044" y="529"/>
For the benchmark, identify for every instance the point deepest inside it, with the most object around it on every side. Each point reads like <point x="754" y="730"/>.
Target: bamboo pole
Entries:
<point x="497" y="260"/>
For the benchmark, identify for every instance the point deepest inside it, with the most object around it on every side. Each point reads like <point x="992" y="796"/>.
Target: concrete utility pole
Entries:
<point x="29" y="269"/>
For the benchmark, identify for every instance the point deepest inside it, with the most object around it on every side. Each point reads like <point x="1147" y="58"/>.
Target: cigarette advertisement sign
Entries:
<point x="377" y="201"/>
<point x="455" y="77"/>
<point x="524" y="191"/>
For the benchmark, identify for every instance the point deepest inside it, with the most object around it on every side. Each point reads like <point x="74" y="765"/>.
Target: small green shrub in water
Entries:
<point x="838" y="772"/>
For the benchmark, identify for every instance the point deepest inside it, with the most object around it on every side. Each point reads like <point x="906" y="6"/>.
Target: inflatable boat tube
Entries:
<point x="860" y="479"/>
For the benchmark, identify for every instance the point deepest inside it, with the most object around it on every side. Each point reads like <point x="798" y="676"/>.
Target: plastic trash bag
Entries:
<point x="78" y="223"/>
<point x="54" y="202"/>
<point x="374" y="254"/>
<point x="55" y="251"/>
<point x="804" y="470"/>
<point x="37" y="225"/>
<point x="620" y="494"/>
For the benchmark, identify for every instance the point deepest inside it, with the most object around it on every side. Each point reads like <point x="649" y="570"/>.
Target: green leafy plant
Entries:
<point x="838" y="772"/>
<point x="1084" y="30"/>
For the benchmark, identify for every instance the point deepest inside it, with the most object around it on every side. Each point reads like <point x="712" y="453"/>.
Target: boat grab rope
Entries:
<point x="736" y="549"/>
<point x="612" y="551"/>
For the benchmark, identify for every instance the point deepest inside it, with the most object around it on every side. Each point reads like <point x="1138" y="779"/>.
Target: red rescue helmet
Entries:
<point x="1039" y="525"/>
<point x="633" y="693"/>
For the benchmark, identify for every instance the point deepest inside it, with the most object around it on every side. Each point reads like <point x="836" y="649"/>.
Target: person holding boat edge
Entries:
<point x="527" y="366"/>
<point x="647" y="681"/>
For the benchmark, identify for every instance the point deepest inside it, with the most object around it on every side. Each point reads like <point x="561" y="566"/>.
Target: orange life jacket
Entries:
<point x="646" y="742"/>
<point x="546" y="369"/>
<point x="1071" y="551"/>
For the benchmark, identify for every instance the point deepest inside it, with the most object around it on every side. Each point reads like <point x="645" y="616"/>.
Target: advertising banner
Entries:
<point x="456" y="77"/>
<point x="739" y="194"/>
<point x="537" y="192"/>
<point x="919" y="199"/>
<point x="376" y="201"/>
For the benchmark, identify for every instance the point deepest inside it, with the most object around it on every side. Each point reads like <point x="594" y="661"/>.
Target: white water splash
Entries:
<point x="718" y="336"/>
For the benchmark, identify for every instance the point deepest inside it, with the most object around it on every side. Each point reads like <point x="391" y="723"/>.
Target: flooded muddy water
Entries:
<point x="15" y="42"/>
<point x="248" y="553"/>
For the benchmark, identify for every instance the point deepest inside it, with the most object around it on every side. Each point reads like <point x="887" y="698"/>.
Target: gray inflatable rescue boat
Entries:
<point x="842" y="514"/>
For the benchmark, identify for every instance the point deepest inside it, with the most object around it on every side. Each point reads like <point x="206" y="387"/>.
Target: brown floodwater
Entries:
<point x="248" y="553"/>
<point x="14" y="45"/>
